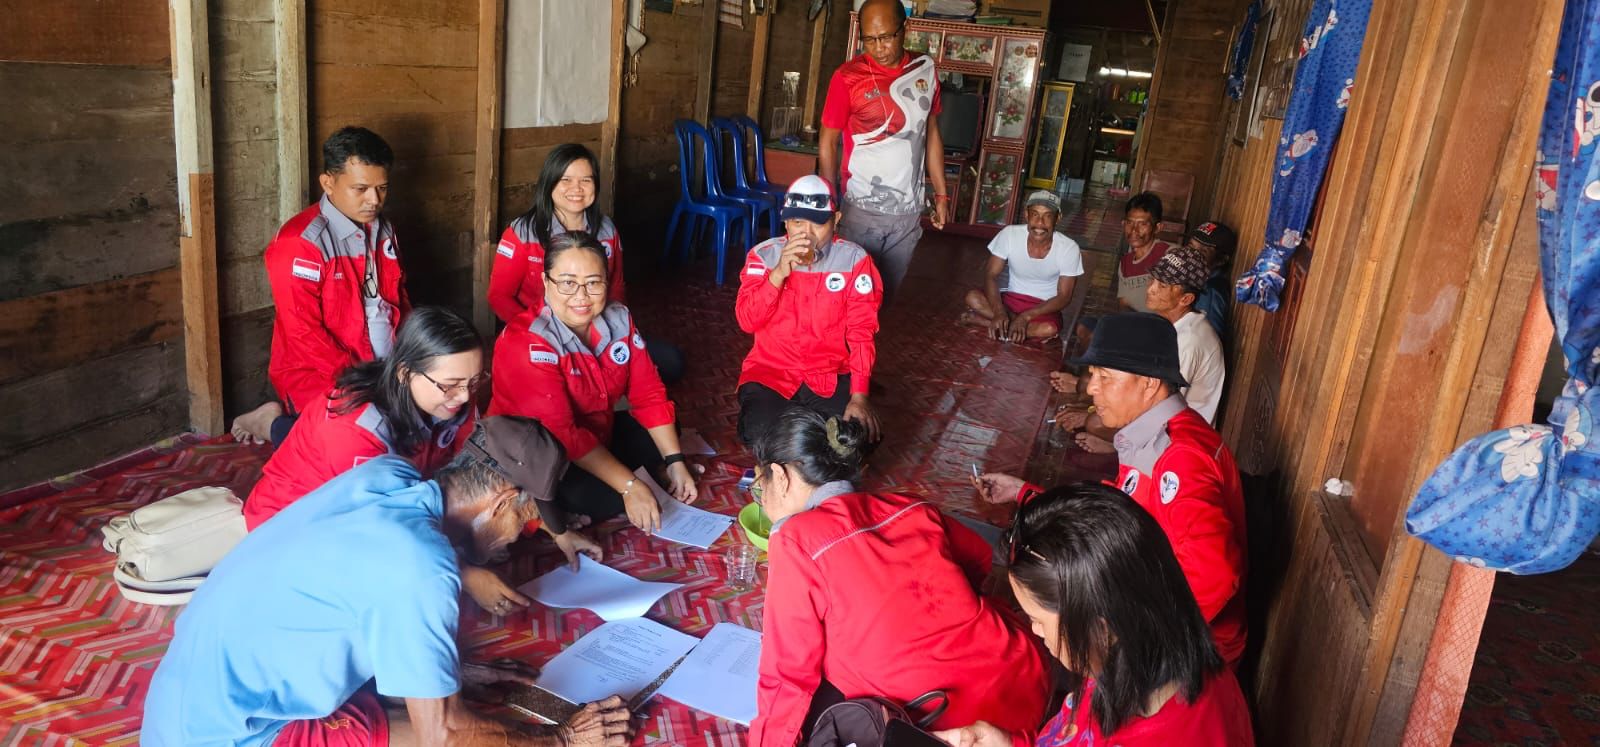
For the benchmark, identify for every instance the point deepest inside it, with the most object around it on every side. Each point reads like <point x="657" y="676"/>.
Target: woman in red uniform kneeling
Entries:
<point x="568" y="366"/>
<point x="1096" y="575"/>
<point x="876" y="594"/>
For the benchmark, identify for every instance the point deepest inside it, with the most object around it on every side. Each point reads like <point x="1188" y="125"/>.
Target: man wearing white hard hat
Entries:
<point x="811" y="300"/>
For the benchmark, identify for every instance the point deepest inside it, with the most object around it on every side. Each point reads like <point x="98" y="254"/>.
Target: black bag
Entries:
<point x="864" y="722"/>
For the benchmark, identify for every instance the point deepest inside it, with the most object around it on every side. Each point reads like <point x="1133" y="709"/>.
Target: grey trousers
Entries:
<point x="890" y="239"/>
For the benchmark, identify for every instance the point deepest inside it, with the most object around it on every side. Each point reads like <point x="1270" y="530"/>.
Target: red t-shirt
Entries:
<point x="1218" y="717"/>
<point x="883" y="113"/>
<point x="1133" y="276"/>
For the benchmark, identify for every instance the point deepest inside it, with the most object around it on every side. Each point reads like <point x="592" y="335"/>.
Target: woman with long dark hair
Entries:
<point x="1097" y="577"/>
<point x="563" y="200"/>
<point x="875" y="594"/>
<point x="415" y="402"/>
<point x="569" y="366"/>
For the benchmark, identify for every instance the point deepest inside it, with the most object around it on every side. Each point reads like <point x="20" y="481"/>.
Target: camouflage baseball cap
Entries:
<point x="1183" y="267"/>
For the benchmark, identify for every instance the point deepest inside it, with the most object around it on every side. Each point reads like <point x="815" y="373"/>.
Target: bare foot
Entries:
<point x="578" y="521"/>
<point x="1064" y="381"/>
<point x="1095" y="444"/>
<point x="255" y="427"/>
<point x="973" y="318"/>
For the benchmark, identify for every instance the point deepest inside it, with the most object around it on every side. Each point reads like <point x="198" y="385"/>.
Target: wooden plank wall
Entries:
<point x="647" y="177"/>
<point x="1183" y="127"/>
<point x="91" y="338"/>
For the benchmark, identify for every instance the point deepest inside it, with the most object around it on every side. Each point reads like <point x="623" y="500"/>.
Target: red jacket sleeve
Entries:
<point x="506" y="278"/>
<point x="647" y="396"/>
<point x="861" y="323"/>
<point x="792" y="644"/>
<point x="528" y="382"/>
<point x="1200" y="531"/>
<point x="312" y="357"/>
<point x="616" y="293"/>
<point x="836" y="107"/>
<point x="757" y="298"/>
<point x="975" y="556"/>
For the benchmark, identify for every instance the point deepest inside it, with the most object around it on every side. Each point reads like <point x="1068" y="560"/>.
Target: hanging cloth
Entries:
<point x="1239" y="58"/>
<point x="1323" y="79"/>
<point x="1527" y="499"/>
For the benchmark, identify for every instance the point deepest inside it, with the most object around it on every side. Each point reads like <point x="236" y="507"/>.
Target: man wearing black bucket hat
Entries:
<point x="1169" y="460"/>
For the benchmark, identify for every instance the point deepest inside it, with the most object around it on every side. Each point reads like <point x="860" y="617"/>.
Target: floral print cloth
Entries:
<point x="1527" y="499"/>
<point x="1323" y="79"/>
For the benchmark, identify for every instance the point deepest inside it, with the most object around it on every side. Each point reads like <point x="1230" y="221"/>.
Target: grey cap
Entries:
<point x="1043" y="197"/>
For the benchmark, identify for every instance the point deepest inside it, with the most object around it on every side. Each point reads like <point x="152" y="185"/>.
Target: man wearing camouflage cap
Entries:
<point x="1175" y="283"/>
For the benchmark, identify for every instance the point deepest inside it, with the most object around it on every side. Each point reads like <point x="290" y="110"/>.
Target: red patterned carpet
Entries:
<point x="75" y="658"/>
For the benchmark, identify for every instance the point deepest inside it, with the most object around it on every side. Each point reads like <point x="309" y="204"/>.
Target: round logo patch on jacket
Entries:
<point x="835" y="282"/>
<point x="619" y="352"/>
<point x="1131" y="482"/>
<point x="638" y="341"/>
<point x="1169" y="487"/>
<point x="446" y="437"/>
<point x="863" y="284"/>
<point x="388" y="249"/>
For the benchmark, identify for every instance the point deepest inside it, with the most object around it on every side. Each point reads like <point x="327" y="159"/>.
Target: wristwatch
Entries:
<point x="671" y="459"/>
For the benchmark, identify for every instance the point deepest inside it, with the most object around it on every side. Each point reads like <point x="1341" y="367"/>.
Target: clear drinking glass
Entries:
<point x="741" y="561"/>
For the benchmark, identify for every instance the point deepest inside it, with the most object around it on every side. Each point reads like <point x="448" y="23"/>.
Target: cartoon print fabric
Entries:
<point x="1527" y="499"/>
<point x="1323" y="79"/>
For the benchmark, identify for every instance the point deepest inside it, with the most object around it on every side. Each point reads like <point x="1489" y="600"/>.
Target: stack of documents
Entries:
<point x="608" y="592"/>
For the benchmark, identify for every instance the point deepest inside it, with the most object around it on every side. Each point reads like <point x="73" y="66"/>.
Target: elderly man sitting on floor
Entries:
<point x="1042" y="266"/>
<point x="352" y="592"/>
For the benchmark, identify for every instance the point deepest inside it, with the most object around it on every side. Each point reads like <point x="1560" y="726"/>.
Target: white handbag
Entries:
<point x="165" y="549"/>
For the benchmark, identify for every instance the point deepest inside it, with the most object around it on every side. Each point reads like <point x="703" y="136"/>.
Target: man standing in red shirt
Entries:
<point x="336" y="282"/>
<point x="1170" y="461"/>
<point x="887" y="103"/>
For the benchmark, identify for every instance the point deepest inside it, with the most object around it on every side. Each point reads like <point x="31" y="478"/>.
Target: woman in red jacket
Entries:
<point x="569" y="366"/>
<point x="563" y="200"/>
<point x="1097" y="577"/>
<point x="417" y="403"/>
<point x="876" y="594"/>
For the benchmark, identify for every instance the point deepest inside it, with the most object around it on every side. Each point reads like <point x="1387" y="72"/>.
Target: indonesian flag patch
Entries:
<point x="306" y="269"/>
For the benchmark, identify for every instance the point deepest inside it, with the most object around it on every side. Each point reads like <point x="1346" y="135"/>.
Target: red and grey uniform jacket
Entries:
<point x="516" y="283"/>
<point x="315" y="265"/>
<point x="323" y="444"/>
<point x="877" y="595"/>
<point x="1175" y="465"/>
<point x="542" y="370"/>
<point x="820" y="324"/>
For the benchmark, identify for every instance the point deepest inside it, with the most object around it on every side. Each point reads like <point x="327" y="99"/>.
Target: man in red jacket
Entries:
<point x="336" y="282"/>
<point x="1170" y="460"/>
<point x="811" y="300"/>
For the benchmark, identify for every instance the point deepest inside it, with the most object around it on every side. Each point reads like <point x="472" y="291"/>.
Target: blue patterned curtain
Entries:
<point x="1527" y="499"/>
<point x="1323" y="79"/>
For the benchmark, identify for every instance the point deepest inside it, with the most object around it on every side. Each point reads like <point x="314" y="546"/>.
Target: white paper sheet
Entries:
<point x="556" y="58"/>
<point x="620" y="657"/>
<point x="610" y="593"/>
<point x="691" y="442"/>
<point x="719" y="675"/>
<point x="683" y="523"/>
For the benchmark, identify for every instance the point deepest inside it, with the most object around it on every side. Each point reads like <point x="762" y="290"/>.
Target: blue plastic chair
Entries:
<point x="760" y="202"/>
<point x="758" y="172"/>
<point x="692" y="210"/>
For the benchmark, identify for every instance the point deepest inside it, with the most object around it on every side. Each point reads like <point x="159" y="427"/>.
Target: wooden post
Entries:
<point x="613" y="124"/>
<point x="197" y="215"/>
<point x="819" y="30"/>
<point x="294" y="167"/>
<point x="758" y="64"/>
<point x="706" y="69"/>
<point x="486" y="157"/>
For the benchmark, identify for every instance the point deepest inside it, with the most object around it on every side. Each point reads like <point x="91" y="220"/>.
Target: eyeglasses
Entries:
<point x="883" y="38"/>
<point x="472" y="385"/>
<point x="566" y="287"/>
<point x="801" y="200"/>
<point x="756" y="491"/>
<point x="1013" y="543"/>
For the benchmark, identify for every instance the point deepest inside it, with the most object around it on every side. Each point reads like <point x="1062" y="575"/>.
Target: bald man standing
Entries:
<point x="884" y="104"/>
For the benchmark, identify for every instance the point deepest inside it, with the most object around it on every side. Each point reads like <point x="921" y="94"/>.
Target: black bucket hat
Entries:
<point x="1138" y="342"/>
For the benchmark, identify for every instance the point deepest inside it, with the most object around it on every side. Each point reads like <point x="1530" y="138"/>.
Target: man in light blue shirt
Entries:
<point x="357" y="582"/>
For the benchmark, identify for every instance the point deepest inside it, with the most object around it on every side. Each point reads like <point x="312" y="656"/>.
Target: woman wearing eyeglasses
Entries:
<point x="1098" y="579"/>
<point x="876" y="594"/>
<point x="414" y="403"/>
<point x="563" y="200"/>
<point x="569" y="366"/>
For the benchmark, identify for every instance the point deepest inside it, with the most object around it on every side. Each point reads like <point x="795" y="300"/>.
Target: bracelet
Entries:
<point x="624" y="492"/>
<point x="671" y="459"/>
<point x="946" y="198"/>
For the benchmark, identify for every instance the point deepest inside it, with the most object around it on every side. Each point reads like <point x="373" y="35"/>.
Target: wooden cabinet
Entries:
<point x="1004" y="62"/>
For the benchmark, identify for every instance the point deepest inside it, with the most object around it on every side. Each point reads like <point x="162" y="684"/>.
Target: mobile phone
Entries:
<point x="904" y="734"/>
